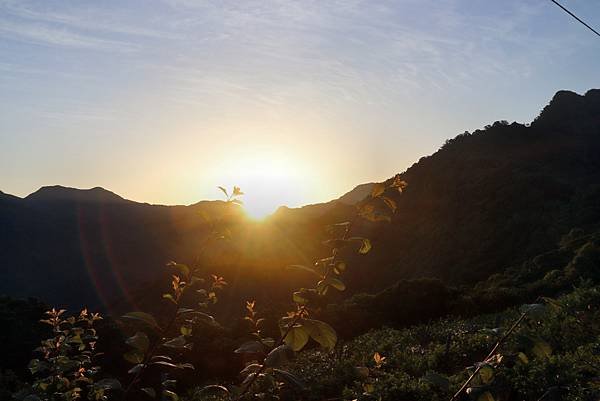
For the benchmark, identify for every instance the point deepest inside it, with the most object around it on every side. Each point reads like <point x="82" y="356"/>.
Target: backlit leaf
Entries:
<point x="486" y="373"/>
<point x="297" y="338"/>
<point x="321" y="332"/>
<point x="178" y="342"/>
<point x="184" y="269"/>
<point x="541" y="349"/>
<point x="168" y="394"/>
<point x="279" y="356"/>
<point x="365" y="246"/>
<point x="139" y="341"/>
<point x="142" y="317"/>
<point x="289" y="378"/>
<point x="297" y="297"/>
<point x="134" y="356"/>
<point x="251" y="347"/>
<point x="335" y="283"/>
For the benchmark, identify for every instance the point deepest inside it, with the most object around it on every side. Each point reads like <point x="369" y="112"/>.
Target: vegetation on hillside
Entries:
<point x="480" y="281"/>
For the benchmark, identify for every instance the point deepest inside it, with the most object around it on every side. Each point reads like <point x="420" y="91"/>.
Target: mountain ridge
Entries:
<point x="485" y="201"/>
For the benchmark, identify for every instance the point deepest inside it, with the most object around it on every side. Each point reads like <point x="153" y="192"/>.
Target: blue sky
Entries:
<point x="160" y="101"/>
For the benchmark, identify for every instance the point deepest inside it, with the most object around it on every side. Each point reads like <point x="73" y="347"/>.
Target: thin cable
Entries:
<point x="576" y="17"/>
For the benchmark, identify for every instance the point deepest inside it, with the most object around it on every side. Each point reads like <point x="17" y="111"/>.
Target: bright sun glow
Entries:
<point x="268" y="182"/>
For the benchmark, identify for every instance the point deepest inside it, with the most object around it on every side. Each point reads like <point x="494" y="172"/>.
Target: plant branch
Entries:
<point x="491" y="354"/>
<point x="297" y="317"/>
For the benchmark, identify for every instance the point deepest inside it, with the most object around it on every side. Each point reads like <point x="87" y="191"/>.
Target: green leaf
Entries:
<point x="149" y="391"/>
<point x="486" y="374"/>
<point x="186" y="330"/>
<point x="523" y="357"/>
<point x="136" y="369"/>
<point x="161" y="358"/>
<point x="322" y="287"/>
<point x="184" y="269"/>
<point x="170" y="298"/>
<point x="289" y="378"/>
<point x="108" y="384"/>
<point x="134" y="356"/>
<point x="142" y="317"/>
<point x="250" y="347"/>
<point x="321" y="332"/>
<point x="533" y="310"/>
<point x="365" y="246"/>
<point x="554" y="304"/>
<point x="169" y="383"/>
<point x="298" y="298"/>
<point x="186" y="312"/>
<point x="170" y="395"/>
<point x="139" y="341"/>
<point x="279" y="356"/>
<point x="252" y="368"/>
<point x="178" y="343"/>
<point x="213" y="388"/>
<point x="297" y="338"/>
<point x="541" y="349"/>
<point x="335" y="283"/>
<point x="269" y="342"/>
<point x="164" y="363"/>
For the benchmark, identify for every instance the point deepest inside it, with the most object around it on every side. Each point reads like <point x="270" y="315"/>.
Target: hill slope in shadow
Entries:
<point x="485" y="201"/>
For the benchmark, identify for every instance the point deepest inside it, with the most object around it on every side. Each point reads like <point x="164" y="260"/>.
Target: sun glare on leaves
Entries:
<point x="267" y="183"/>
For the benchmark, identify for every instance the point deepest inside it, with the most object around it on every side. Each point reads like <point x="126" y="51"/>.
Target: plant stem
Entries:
<point x="298" y="316"/>
<point x="491" y="354"/>
<point x="151" y="352"/>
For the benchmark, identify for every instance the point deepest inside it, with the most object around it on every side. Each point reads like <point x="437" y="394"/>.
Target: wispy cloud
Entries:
<point x="91" y="20"/>
<point x="45" y="35"/>
<point x="70" y="27"/>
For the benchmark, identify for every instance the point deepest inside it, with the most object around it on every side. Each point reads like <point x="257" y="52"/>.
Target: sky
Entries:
<point x="294" y="101"/>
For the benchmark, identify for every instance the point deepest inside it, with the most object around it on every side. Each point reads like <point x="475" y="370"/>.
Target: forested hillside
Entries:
<point x="491" y="243"/>
<point x="485" y="201"/>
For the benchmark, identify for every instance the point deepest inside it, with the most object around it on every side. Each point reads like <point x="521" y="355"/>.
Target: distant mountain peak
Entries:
<point x="55" y="193"/>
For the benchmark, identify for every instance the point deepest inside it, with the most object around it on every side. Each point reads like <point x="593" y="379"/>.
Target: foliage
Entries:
<point x="553" y="353"/>
<point x="160" y="346"/>
<point x="66" y="369"/>
<point x="263" y="378"/>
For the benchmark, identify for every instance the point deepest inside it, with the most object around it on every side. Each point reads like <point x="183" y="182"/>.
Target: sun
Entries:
<point x="268" y="182"/>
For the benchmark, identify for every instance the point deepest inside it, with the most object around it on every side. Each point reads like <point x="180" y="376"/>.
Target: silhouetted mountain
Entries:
<point x="495" y="197"/>
<point x="59" y="193"/>
<point x="485" y="201"/>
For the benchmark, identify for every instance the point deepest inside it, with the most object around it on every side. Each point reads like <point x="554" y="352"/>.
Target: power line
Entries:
<point x="576" y="17"/>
